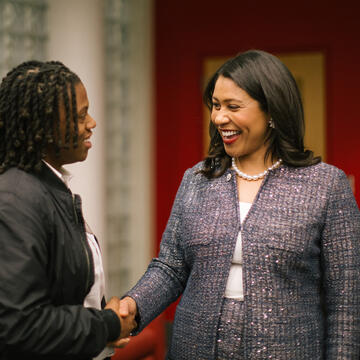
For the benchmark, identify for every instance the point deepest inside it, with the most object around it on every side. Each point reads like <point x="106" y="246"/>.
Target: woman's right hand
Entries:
<point x="126" y="311"/>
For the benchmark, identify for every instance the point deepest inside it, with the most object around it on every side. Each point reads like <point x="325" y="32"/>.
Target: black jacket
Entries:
<point x="46" y="270"/>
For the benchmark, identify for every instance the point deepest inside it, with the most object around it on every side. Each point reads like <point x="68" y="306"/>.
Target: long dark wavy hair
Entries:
<point x="267" y="80"/>
<point x="30" y="96"/>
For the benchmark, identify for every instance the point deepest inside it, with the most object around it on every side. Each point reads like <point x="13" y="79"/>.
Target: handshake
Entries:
<point x="126" y="311"/>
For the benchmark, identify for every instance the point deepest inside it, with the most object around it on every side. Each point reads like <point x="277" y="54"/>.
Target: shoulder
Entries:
<point x="19" y="186"/>
<point x="194" y="179"/>
<point x="321" y="173"/>
<point x="193" y="175"/>
<point x="316" y="182"/>
<point x="195" y="170"/>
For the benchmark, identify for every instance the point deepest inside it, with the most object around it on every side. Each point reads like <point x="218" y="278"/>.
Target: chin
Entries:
<point x="233" y="153"/>
<point x="83" y="156"/>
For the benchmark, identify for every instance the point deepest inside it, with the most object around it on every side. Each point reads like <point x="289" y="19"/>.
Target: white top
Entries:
<point x="97" y="291"/>
<point x="234" y="286"/>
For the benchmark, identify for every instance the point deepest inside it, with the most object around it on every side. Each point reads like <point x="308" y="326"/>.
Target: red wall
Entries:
<point x="186" y="31"/>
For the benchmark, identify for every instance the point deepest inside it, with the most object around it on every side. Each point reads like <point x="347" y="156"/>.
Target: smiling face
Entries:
<point x="70" y="154"/>
<point x="241" y="123"/>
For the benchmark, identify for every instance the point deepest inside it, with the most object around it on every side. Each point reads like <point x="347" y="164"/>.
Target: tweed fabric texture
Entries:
<point x="301" y="261"/>
<point x="230" y="334"/>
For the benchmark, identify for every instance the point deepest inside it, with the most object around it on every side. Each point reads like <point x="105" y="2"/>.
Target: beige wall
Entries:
<point x="76" y="37"/>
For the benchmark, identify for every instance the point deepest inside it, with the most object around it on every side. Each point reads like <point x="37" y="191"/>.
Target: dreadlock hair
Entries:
<point x="267" y="80"/>
<point x="30" y="96"/>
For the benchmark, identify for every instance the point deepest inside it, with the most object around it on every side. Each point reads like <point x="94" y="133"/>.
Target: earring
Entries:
<point x="271" y="123"/>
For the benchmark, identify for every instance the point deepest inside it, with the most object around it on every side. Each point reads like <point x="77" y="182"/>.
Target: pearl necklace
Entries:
<point x="254" y="177"/>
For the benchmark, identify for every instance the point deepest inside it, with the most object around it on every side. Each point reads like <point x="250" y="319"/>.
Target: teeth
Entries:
<point x="229" y="132"/>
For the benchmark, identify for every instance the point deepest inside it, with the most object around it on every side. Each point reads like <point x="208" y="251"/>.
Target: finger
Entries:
<point x="121" y="343"/>
<point x="124" y="308"/>
<point x="112" y="303"/>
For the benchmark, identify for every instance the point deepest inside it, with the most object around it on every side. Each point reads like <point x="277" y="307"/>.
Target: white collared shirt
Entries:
<point x="97" y="291"/>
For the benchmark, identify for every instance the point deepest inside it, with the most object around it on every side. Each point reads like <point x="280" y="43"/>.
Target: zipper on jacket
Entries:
<point x="84" y="246"/>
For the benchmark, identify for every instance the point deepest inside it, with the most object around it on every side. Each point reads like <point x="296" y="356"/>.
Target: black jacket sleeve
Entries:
<point x="29" y="322"/>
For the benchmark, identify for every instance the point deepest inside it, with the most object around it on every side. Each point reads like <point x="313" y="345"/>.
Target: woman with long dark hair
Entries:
<point x="263" y="238"/>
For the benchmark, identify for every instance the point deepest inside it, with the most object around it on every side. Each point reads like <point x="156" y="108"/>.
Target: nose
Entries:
<point x="220" y="117"/>
<point x="91" y="123"/>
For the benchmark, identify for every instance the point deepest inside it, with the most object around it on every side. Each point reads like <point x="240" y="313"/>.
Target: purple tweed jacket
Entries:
<point x="301" y="258"/>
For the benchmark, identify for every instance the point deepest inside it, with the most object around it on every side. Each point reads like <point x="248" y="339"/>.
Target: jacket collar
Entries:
<point x="51" y="180"/>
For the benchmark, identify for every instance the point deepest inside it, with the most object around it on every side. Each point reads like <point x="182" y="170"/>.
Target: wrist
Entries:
<point x="113" y="324"/>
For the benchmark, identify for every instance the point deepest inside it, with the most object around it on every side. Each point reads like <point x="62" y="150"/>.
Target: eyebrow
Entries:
<point x="228" y="100"/>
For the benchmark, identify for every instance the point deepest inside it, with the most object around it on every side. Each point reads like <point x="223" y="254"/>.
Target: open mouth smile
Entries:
<point x="229" y="136"/>
<point x="87" y="142"/>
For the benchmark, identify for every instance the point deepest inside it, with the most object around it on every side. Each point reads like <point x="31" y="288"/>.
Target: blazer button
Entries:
<point x="228" y="177"/>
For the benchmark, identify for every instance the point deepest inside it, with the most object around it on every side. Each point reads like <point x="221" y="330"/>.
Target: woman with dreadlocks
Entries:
<point x="51" y="276"/>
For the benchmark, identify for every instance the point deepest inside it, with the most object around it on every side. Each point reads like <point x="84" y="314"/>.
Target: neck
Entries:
<point x="55" y="164"/>
<point x="253" y="165"/>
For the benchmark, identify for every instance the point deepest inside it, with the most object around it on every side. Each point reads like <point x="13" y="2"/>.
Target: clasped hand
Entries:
<point x="126" y="311"/>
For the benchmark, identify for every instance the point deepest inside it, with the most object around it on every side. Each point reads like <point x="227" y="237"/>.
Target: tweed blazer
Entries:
<point x="301" y="261"/>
